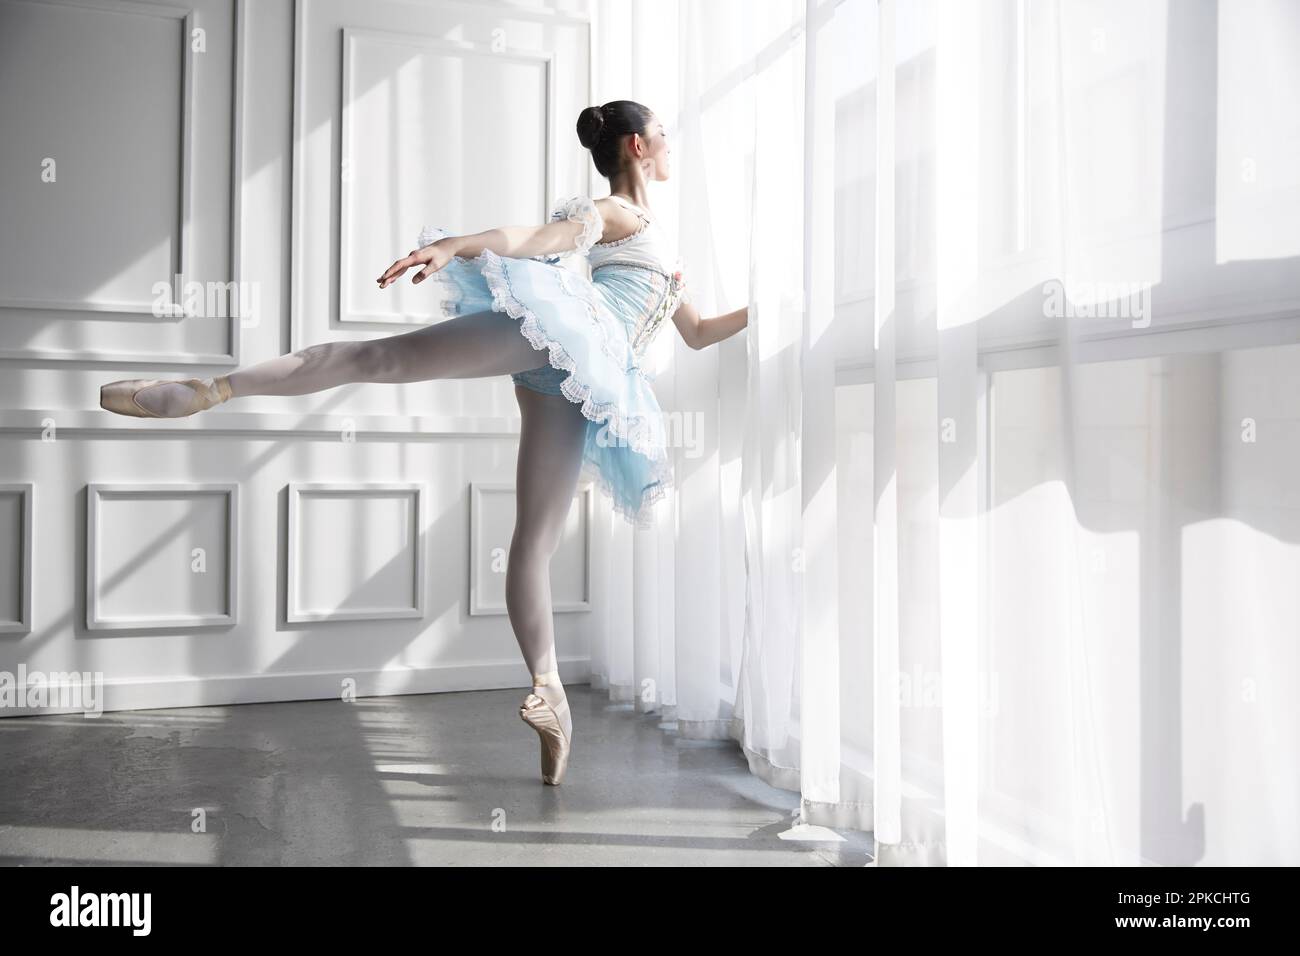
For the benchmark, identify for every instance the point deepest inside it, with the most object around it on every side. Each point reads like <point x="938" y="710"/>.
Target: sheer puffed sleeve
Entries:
<point x="429" y="235"/>
<point x="581" y="209"/>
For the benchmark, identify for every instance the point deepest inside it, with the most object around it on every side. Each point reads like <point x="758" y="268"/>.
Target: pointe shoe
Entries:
<point x="120" y="397"/>
<point x="538" y="713"/>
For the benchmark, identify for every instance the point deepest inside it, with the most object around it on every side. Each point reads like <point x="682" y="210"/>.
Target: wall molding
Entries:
<point x="23" y="624"/>
<point x="182" y="233"/>
<point x="94" y="493"/>
<point x="294" y="612"/>
<point x="549" y="15"/>
<point x="189" y="19"/>
<point x="347" y="268"/>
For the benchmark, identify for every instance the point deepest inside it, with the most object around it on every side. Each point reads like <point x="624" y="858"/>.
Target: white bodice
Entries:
<point x="648" y="246"/>
<point x="650" y="249"/>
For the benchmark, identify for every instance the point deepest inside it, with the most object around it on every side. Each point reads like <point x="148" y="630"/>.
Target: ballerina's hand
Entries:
<point x="433" y="257"/>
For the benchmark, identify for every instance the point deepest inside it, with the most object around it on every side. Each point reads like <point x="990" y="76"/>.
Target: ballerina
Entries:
<point x="573" y="346"/>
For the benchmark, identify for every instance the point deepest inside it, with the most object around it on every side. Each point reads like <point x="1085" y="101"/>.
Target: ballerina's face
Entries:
<point x="654" y="161"/>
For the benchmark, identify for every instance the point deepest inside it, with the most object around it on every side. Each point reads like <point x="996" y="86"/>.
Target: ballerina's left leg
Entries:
<point x="468" y="346"/>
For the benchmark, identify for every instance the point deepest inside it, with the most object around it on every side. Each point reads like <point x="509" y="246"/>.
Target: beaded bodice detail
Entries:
<point x="649" y="250"/>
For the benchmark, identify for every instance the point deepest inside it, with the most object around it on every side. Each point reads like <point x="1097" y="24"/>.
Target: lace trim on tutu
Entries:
<point x="642" y="517"/>
<point x="581" y="209"/>
<point x="452" y="302"/>
<point x="631" y="429"/>
<point x="452" y="305"/>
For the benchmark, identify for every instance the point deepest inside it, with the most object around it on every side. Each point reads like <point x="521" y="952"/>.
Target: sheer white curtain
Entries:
<point x="731" y="626"/>
<point x="1080" y="660"/>
<point x="991" y="544"/>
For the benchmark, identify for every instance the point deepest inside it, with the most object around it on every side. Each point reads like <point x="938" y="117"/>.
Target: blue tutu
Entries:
<point x="592" y="336"/>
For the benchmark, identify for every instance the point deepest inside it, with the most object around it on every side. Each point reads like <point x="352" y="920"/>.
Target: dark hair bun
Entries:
<point x="601" y="129"/>
<point x="590" y="123"/>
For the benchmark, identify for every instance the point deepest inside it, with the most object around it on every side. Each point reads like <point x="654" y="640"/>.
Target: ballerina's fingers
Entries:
<point x="435" y="256"/>
<point x="398" y="269"/>
<point x="424" y="273"/>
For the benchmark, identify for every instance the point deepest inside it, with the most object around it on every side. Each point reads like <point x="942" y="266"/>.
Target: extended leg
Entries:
<point x="553" y="431"/>
<point x="467" y="346"/>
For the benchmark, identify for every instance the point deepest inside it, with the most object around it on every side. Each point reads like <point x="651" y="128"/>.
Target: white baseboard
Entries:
<point x="168" y="692"/>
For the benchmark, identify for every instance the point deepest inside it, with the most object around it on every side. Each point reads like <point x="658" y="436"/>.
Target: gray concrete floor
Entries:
<point x="434" y="779"/>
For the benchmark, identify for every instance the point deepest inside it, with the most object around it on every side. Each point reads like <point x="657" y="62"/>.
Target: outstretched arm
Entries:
<point x="517" y="241"/>
<point x="700" y="333"/>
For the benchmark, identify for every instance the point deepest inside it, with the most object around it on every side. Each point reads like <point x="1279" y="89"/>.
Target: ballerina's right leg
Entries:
<point x="552" y="434"/>
<point x="468" y="346"/>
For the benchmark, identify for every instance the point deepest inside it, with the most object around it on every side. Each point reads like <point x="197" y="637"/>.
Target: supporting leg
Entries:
<point x="553" y="431"/>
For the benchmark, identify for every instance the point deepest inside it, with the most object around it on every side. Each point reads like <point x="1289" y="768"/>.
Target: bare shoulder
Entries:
<point x="620" y="222"/>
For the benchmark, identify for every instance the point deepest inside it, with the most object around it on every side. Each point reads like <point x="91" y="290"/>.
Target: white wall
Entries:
<point x="260" y="158"/>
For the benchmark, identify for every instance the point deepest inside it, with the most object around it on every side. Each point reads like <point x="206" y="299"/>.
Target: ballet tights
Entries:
<point x="467" y="346"/>
<point x="552" y="434"/>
